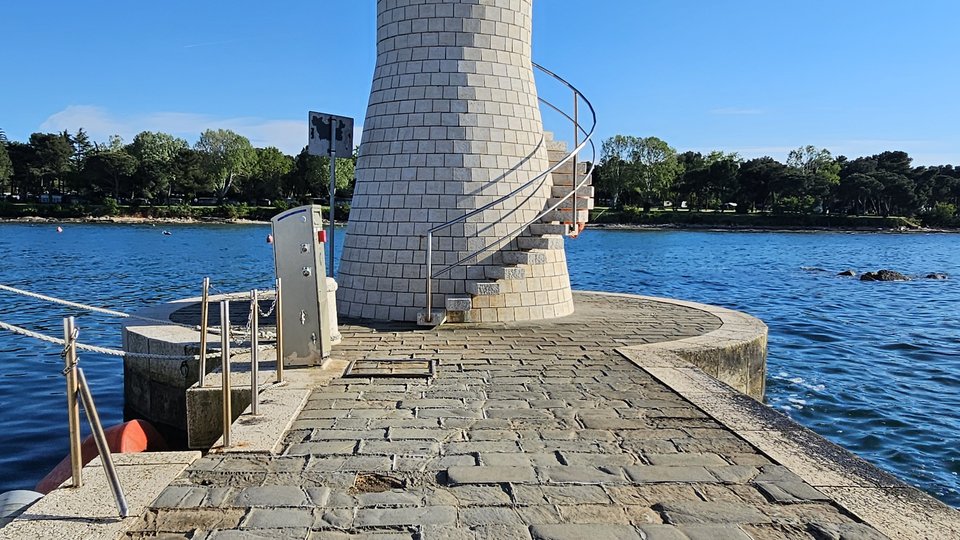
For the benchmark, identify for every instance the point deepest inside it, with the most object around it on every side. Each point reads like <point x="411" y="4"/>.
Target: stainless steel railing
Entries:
<point x="539" y="180"/>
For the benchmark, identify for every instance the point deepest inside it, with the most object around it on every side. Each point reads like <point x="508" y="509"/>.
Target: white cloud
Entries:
<point x="290" y="136"/>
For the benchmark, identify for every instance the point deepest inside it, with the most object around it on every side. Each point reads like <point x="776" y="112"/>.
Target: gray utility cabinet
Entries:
<point x="299" y="243"/>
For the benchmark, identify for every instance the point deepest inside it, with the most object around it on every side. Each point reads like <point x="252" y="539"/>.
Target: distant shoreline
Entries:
<point x="140" y="220"/>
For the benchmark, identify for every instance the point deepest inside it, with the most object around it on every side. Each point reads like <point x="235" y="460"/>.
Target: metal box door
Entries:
<point x="298" y="249"/>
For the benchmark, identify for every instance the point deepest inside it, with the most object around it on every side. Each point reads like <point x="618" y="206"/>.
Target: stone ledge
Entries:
<point x="871" y="494"/>
<point x="735" y="353"/>
<point x="89" y="511"/>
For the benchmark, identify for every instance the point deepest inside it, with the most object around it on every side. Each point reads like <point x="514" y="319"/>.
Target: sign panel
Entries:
<point x="327" y="130"/>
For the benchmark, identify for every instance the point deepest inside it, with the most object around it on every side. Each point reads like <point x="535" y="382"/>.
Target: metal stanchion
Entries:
<point x="254" y="353"/>
<point x="225" y="369"/>
<point x="73" y="412"/>
<point x="204" y="311"/>
<point x="278" y="313"/>
<point x="98" y="436"/>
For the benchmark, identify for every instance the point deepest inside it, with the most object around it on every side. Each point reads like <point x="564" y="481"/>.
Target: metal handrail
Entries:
<point x="578" y="128"/>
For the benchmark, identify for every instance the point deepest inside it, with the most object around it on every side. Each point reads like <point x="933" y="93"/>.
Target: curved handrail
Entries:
<point x="539" y="180"/>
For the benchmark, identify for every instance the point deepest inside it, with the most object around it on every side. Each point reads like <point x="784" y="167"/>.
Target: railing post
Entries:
<point x="576" y="143"/>
<point x="277" y="310"/>
<point x="254" y="352"/>
<point x="73" y="412"/>
<point x="204" y="313"/>
<point x="225" y="369"/>
<point x="429" y="317"/>
<point x="101" y="439"/>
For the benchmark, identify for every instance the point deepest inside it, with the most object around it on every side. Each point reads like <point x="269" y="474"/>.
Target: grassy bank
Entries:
<point x="636" y="216"/>
<point x="176" y="212"/>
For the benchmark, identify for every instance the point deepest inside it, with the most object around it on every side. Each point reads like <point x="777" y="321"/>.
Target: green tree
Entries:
<point x="227" y="158"/>
<point x="6" y="168"/>
<point x="266" y="182"/>
<point x="618" y="171"/>
<point x="756" y="179"/>
<point x="155" y="153"/>
<point x="53" y="153"/>
<point x="109" y="172"/>
<point x="657" y="170"/>
<point x="819" y="172"/>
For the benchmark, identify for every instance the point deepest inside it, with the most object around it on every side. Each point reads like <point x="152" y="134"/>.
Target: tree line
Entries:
<point x="647" y="172"/>
<point x="158" y="168"/>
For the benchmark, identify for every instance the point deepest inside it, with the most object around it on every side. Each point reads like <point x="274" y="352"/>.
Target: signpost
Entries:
<point x="332" y="136"/>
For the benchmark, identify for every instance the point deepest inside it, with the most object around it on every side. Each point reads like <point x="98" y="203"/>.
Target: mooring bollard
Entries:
<point x="254" y="353"/>
<point x="73" y="411"/>
<point x="204" y="312"/>
<point x="278" y="313"/>
<point x="101" y="440"/>
<point x="225" y="369"/>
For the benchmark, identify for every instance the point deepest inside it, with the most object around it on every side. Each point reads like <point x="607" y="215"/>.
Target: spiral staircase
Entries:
<point x="512" y="257"/>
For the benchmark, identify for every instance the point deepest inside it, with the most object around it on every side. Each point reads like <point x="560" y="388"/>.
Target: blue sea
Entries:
<point x="872" y="366"/>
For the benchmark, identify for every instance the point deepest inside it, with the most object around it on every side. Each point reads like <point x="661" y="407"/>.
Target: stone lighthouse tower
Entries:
<point x="453" y="124"/>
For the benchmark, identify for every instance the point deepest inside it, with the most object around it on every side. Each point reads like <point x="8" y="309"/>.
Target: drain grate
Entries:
<point x="392" y="367"/>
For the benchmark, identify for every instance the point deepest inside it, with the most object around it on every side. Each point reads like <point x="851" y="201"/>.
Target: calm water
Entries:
<point x="872" y="366"/>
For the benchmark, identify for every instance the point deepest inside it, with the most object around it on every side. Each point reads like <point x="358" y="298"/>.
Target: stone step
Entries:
<point x="505" y="272"/>
<point x="484" y="288"/>
<point x="556" y="146"/>
<point x="524" y="257"/>
<point x="540" y="242"/>
<point x="567" y="168"/>
<point x="582" y="202"/>
<point x="566" y="216"/>
<point x="458" y="309"/>
<point x="548" y="228"/>
<point x="566" y="179"/>
<point x="562" y="191"/>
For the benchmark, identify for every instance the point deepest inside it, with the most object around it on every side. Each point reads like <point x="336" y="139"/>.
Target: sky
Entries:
<point x="756" y="77"/>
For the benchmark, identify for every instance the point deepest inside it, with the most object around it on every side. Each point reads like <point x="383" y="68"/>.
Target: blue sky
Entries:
<point x="758" y="77"/>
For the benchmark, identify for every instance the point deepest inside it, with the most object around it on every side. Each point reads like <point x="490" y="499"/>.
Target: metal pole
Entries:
<point x="429" y="277"/>
<point x="333" y="188"/>
<point x="204" y="312"/>
<point x="278" y="313"/>
<point x="576" y="142"/>
<point x="254" y="353"/>
<point x="98" y="436"/>
<point x="73" y="412"/>
<point x="225" y="369"/>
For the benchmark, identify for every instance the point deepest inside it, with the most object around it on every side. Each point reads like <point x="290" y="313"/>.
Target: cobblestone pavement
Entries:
<point x="539" y="430"/>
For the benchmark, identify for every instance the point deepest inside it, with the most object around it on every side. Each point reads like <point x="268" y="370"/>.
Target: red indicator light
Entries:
<point x="322" y="236"/>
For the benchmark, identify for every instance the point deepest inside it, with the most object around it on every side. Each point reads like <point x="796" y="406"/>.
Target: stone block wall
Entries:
<point x="453" y="123"/>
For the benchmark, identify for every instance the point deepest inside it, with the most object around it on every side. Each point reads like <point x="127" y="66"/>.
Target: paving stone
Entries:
<point x="389" y="517"/>
<point x="400" y="448"/>
<point x="714" y="532"/>
<point x="287" y="533"/>
<point x="578" y="475"/>
<point x="322" y="448"/>
<point x="271" y="496"/>
<point x="573" y="494"/>
<point x="662" y="532"/>
<point x="685" y="459"/>
<point x="710" y="512"/>
<point x="655" y="473"/>
<point x="790" y="492"/>
<point x="489" y="515"/>
<point x="278" y="518"/>
<point x="389" y="498"/>
<point x="580" y="532"/>
<point x="501" y="531"/>
<point x="490" y="475"/>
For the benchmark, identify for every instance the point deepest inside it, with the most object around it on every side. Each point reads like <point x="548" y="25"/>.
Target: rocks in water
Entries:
<point x="936" y="275"/>
<point x="848" y="273"/>
<point x="884" y="275"/>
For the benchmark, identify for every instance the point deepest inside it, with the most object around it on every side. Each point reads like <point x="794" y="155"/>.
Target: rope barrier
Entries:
<point x="115" y="352"/>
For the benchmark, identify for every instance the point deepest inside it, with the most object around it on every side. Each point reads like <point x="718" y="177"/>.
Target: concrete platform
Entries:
<point x="595" y="425"/>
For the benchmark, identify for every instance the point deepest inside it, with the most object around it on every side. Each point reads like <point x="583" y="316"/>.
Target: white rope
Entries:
<point x="114" y="352"/>
<point x="62" y="302"/>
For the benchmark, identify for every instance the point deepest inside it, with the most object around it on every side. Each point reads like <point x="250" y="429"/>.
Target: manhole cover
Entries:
<point x="392" y="367"/>
<point x="376" y="483"/>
